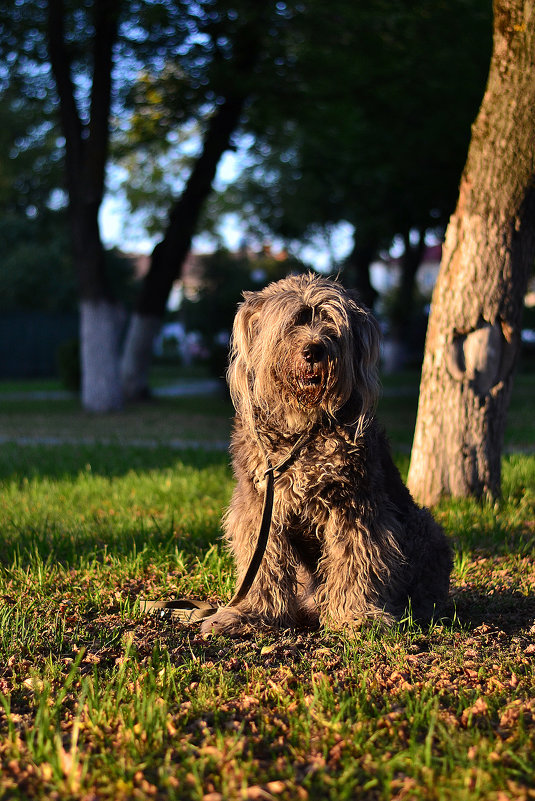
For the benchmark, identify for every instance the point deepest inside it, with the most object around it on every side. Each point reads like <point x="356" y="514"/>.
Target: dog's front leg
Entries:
<point x="272" y="598"/>
<point x="352" y="573"/>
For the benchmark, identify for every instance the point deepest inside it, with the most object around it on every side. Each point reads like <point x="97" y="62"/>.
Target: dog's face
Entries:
<point x="303" y="347"/>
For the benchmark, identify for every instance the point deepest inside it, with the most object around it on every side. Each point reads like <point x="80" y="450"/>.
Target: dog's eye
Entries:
<point x="305" y="316"/>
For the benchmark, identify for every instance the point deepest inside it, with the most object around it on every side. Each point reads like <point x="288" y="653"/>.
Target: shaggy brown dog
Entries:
<point x="347" y="541"/>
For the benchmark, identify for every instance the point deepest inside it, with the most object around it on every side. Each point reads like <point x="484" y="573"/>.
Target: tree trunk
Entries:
<point x="410" y="262"/>
<point x="474" y="328"/>
<point x="356" y="270"/>
<point x="400" y="345"/>
<point x="86" y="152"/>
<point x="169" y="254"/>
<point x="101" y="318"/>
<point x="100" y="325"/>
<point x="137" y="354"/>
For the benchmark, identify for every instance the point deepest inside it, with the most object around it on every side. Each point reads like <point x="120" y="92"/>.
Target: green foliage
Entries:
<point x="528" y="318"/>
<point x="370" y="124"/>
<point x="355" y="112"/>
<point x="169" y="104"/>
<point x="30" y="150"/>
<point x="37" y="270"/>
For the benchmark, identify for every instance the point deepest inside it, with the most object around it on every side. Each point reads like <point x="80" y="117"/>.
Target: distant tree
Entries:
<point x="150" y="71"/>
<point x="237" y="34"/>
<point x="36" y="261"/>
<point x="81" y="44"/>
<point x="36" y="265"/>
<point x="474" y="328"/>
<point x="31" y="166"/>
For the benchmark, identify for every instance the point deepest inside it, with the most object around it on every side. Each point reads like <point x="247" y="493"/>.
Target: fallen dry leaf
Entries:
<point x="477" y="710"/>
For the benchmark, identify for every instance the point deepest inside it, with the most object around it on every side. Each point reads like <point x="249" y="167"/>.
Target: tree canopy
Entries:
<point x="357" y="113"/>
<point x="373" y="129"/>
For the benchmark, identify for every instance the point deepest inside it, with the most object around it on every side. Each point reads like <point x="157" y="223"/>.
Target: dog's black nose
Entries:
<point x="313" y="352"/>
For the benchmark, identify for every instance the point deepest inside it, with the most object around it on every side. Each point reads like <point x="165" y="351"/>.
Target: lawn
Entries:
<point x="99" y="702"/>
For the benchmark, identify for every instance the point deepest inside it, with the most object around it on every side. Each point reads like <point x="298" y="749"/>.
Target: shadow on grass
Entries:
<point x="107" y="460"/>
<point x="503" y="618"/>
<point x="506" y="610"/>
<point x="139" y="548"/>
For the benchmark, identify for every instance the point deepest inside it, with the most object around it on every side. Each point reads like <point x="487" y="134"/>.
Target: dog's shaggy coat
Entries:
<point x="347" y="541"/>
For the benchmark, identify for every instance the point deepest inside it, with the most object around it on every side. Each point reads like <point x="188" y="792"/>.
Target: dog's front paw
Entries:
<point x="225" y="621"/>
<point x="360" y="621"/>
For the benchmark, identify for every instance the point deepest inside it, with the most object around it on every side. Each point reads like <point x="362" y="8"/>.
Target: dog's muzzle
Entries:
<point x="310" y="373"/>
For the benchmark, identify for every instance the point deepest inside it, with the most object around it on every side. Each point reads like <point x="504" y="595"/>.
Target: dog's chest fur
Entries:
<point x="330" y="472"/>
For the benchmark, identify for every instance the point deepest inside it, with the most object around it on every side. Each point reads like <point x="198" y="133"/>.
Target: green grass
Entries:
<point x="99" y="702"/>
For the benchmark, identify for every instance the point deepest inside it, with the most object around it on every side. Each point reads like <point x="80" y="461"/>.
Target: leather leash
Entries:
<point x="188" y="610"/>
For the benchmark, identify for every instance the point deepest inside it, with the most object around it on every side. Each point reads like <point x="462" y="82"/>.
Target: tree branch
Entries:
<point x="106" y="18"/>
<point x="169" y="255"/>
<point x="61" y="67"/>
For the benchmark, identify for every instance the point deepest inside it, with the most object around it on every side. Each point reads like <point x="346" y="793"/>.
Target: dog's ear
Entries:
<point x="239" y="374"/>
<point x="366" y="332"/>
<point x="367" y="343"/>
<point x="245" y="322"/>
<point x="367" y="337"/>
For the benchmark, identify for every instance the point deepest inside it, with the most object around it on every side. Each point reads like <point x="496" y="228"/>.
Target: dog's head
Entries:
<point x="302" y="348"/>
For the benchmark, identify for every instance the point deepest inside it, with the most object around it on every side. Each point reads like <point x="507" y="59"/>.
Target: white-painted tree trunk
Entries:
<point x="137" y="355"/>
<point x="100" y="325"/>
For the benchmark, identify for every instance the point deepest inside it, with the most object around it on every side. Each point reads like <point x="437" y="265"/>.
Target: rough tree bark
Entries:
<point x="474" y="328"/>
<point x="86" y="146"/>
